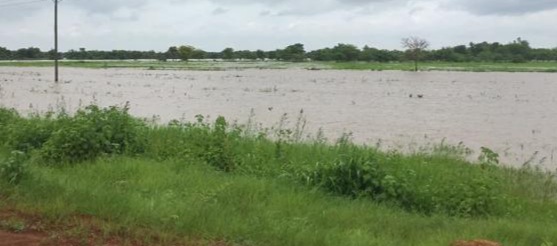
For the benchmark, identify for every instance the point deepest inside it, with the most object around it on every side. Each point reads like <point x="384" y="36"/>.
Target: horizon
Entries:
<point x="278" y="48"/>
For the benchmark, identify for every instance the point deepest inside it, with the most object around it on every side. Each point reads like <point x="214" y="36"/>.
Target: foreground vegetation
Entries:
<point x="248" y="186"/>
<point x="375" y="66"/>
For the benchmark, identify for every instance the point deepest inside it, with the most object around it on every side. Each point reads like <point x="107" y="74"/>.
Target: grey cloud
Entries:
<point x="504" y="7"/>
<point x="311" y="7"/>
<point x="107" y="7"/>
<point x="219" y="11"/>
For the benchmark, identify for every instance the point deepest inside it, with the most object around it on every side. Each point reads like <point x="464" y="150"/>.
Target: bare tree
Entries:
<point x="415" y="46"/>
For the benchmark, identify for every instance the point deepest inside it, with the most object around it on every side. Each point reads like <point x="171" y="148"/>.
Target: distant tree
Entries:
<point x="228" y="54"/>
<point x="325" y="54"/>
<point x="186" y="52"/>
<point x="346" y="52"/>
<point x="260" y="54"/>
<point x="172" y="53"/>
<point x="198" y="54"/>
<point x="245" y="55"/>
<point x="460" y="49"/>
<point x="272" y="54"/>
<point x="295" y="52"/>
<point x="51" y="54"/>
<point x="5" y="54"/>
<point x="415" y="47"/>
<point x="368" y="54"/>
<point x="518" y="51"/>
<point x="29" y="53"/>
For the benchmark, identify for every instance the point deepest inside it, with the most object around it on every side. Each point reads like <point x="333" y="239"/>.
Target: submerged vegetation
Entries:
<point x="314" y="65"/>
<point x="222" y="181"/>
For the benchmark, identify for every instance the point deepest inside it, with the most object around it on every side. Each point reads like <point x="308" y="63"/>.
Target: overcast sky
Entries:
<point x="213" y="25"/>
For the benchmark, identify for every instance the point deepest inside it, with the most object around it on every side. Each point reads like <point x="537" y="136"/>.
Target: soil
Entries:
<point x="23" y="239"/>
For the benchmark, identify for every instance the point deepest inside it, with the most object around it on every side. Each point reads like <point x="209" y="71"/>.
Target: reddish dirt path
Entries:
<point x="23" y="239"/>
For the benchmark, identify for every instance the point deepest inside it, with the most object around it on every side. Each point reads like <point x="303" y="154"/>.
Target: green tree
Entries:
<point x="186" y="52"/>
<point x="172" y="53"/>
<point x="228" y="54"/>
<point x="346" y="52"/>
<point x="5" y="54"/>
<point x="295" y="52"/>
<point x="260" y="54"/>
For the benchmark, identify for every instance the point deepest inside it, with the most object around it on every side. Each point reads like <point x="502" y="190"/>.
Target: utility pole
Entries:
<point x="56" y="40"/>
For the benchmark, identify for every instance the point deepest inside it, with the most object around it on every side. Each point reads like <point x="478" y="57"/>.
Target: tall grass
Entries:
<point x="222" y="181"/>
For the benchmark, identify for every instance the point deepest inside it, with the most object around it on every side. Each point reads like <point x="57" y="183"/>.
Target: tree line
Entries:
<point x="518" y="50"/>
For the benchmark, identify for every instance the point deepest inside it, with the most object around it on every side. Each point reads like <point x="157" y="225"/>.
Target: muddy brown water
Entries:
<point x="514" y="114"/>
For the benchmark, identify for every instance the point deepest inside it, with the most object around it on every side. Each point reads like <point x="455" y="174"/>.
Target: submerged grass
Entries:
<point x="376" y="66"/>
<point x="218" y="181"/>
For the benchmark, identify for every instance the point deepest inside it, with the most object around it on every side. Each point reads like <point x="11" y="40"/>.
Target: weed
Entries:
<point x="13" y="170"/>
<point x="13" y="225"/>
<point x="93" y="132"/>
<point x="488" y="157"/>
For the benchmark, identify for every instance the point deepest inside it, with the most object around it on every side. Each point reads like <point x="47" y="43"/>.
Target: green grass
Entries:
<point x="452" y="66"/>
<point x="221" y="182"/>
<point x="210" y="65"/>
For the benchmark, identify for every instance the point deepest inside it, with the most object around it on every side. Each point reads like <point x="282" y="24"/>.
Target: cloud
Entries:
<point x="220" y="11"/>
<point x="504" y="7"/>
<point x="105" y="7"/>
<point x="269" y="24"/>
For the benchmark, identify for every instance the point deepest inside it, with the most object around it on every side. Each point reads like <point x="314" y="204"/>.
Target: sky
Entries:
<point x="213" y="25"/>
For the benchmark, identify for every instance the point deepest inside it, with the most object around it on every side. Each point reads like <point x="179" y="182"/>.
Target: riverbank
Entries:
<point x="221" y="182"/>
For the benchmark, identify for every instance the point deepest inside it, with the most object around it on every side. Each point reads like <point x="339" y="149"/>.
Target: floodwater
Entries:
<point x="515" y="114"/>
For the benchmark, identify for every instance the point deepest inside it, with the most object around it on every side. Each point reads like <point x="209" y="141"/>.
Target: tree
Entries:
<point x="295" y="52"/>
<point x="260" y="54"/>
<point x="346" y="52"/>
<point x="414" y="48"/>
<point x="228" y="54"/>
<point x="186" y="52"/>
<point x="5" y="54"/>
<point x="172" y="53"/>
<point x="29" y="53"/>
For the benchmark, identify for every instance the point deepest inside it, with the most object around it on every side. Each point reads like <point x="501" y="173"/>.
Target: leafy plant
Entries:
<point x="219" y="152"/>
<point x="13" y="170"/>
<point x="488" y="157"/>
<point x="93" y="132"/>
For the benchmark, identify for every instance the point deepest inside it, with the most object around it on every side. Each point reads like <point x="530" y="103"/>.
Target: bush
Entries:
<point x="7" y="117"/>
<point x="219" y="151"/>
<point x="93" y="132"/>
<point x="388" y="179"/>
<point x="358" y="177"/>
<point x="29" y="134"/>
<point x="211" y="143"/>
<point x="13" y="169"/>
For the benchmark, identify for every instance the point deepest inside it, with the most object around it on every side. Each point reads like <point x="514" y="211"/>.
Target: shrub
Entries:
<point x="357" y="177"/>
<point x="93" y="132"/>
<point x="388" y="179"/>
<point x="13" y="169"/>
<point x="219" y="151"/>
<point x="7" y="117"/>
<point x="31" y="133"/>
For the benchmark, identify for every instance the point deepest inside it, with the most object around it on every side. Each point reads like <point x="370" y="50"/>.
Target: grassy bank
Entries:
<point x="209" y="65"/>
<point x="244" y="186"/>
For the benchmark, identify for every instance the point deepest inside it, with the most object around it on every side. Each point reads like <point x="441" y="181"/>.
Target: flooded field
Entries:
<point x="515" y="114"/>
